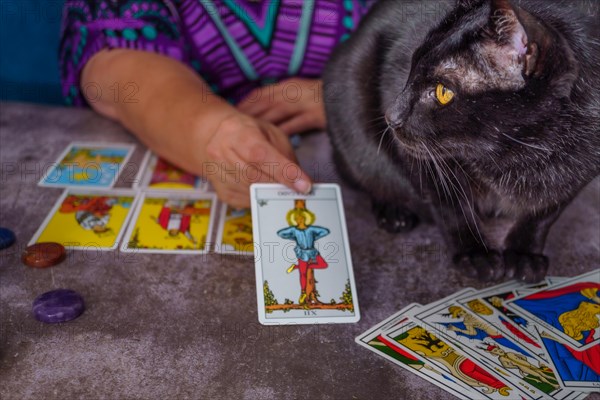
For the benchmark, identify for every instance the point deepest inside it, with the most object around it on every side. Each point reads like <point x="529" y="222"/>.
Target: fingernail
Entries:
<point x="302" y="186"/>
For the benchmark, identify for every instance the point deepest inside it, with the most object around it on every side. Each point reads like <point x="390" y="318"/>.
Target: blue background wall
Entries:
<point x="29" y="37"/>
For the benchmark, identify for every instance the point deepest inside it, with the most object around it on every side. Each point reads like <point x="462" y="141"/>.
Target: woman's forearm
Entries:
<point x="177" y="116"/>
<point x="173" y="112"/>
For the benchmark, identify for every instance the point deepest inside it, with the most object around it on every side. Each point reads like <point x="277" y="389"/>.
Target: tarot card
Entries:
<point x="521" y="292"/>
<point x="159" y="174"/>
<point x="303" y="265"/>
<point x="375" y="342"/>
<point x="568" y="311"/>
<point x="142" y="170"/>
<point x="553" y="280"/>
<point x="234" y="235"/>
<point x="171" y="223"/>
<point x="532" y="287"/>
<point x="576" y="370"/>
<point x="489" y="306"/>
<point x="460" y="294"/>
<point x="482" y="341"/>
<point x="85" y="219"/>
<point x="88" y="165"/>
<point x="419" y="340"/>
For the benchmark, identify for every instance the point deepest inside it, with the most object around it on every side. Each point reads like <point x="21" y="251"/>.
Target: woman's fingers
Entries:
<point x="246" y="150"/>
<point x="256" y="103"/>
<point x="298" y="124"/>
<point x="275" y="166"/>
<point x="274" y="112"/>
<point x="232" y="197"/>
<point x="279" y="113"/>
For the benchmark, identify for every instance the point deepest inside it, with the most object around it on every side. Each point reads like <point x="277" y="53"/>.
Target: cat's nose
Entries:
<point x="393" y="120"/>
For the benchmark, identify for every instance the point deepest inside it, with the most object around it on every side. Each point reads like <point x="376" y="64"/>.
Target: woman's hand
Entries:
<point x="244" y="150"/>
<point x="180" y="119"/>
<point x="294" y="105"/>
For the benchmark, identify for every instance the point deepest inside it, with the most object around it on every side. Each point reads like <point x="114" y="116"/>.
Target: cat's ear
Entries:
<point x="506" y="28"/>
<point x="520" y="35"/>
<point x="510" y="33"/>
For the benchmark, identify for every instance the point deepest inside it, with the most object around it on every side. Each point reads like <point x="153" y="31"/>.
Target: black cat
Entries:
<point x="487" y="109"/>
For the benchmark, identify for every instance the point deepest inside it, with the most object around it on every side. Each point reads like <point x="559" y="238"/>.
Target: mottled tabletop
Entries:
<point x="181" y="326"/>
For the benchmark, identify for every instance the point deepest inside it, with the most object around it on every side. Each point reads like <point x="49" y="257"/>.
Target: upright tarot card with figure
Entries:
<point x="303" y="265"/>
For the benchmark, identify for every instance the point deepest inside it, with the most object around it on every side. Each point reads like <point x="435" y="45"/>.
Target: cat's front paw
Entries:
<point x="481" y="264"/>
<point x="394" y="218"/>
<point x="528" y="267"/>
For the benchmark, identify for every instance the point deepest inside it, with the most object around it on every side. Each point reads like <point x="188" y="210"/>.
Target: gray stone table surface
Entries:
<point x="176" y="326"/>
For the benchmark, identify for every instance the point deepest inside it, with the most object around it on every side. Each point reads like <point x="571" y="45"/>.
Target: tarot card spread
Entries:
<point x="374" y="341"/>
<point x="83" y="219"/>
<point x="171" y="223"/>
<point x="235" y="232"/>
<point x="489" y="306"/>
<point x="483" y="383"/>
<point x="483" y="340"/>
<point x="303" y="264"/>
<point x="490" y="347"/>
<point x="159" y="174"/>
<point x="568" y="310"/>
<point x="88" y="165"/>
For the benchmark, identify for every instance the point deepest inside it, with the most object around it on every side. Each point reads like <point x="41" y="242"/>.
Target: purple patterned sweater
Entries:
<point x="235" y="45"/>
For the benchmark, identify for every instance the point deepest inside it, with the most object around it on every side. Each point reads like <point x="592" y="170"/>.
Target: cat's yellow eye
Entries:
<point x="443" y="95"/>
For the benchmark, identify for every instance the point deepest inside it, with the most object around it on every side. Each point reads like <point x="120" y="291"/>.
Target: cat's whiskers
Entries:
<point x="459" y="191"/>
<point x="441" y="174"/>
<point x="439" y="147"/>
<point x="461" y="188"/>
<point x="468" y="199"/>
<point x="464" y="173"/>
<point x="420" y="174"/>
<point x="533" y="146"/>
<point x="412" y="165"/>
<point x="443" y="167"/>
<point x="375" y="120"/>
<point x="443" y="163"/>
<point x="434" y="180"/>
<point x="453" y="189"/>
<point x="383" y="137"/>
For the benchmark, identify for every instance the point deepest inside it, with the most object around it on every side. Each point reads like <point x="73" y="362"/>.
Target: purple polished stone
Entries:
<point x="59" y="305"/>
